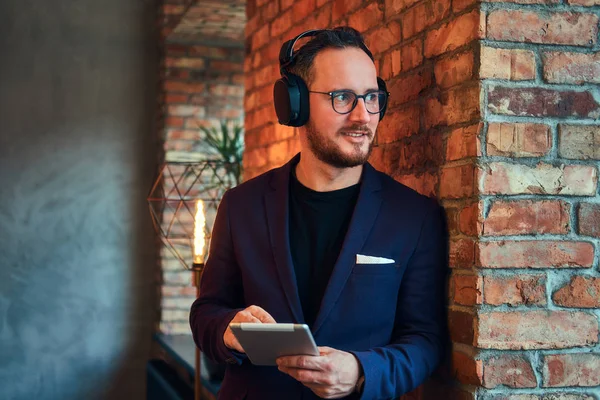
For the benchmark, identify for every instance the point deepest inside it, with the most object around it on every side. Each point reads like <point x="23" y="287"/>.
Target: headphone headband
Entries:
<point x="286" y="54"/>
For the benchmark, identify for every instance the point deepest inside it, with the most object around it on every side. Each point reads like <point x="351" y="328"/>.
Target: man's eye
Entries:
<point x="372" y="97"/>
<point x="342" y="97"/>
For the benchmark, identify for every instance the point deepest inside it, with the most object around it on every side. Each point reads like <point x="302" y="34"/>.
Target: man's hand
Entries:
<point x="331" y="375"/>
<point x="253" y="314"/>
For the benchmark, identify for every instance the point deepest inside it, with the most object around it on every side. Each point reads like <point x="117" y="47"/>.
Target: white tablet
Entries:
<point x="263" y="343"/>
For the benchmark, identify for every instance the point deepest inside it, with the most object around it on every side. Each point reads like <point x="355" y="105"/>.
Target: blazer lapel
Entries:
<point x="277" y="205"/>
<point x="363" y="218"/>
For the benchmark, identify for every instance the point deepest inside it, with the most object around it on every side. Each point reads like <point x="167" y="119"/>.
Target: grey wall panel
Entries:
<point x="78" y="152"/>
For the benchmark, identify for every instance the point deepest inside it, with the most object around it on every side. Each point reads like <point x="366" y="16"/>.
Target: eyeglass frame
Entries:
<point x="356" y="98"/>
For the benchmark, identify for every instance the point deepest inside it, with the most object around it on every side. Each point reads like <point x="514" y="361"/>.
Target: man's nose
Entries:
<point x="360" y="113"/>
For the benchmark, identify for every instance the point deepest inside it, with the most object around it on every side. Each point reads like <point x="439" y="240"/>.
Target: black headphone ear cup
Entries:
<point x="382" y="86"/>
<point x="290" y="96"/>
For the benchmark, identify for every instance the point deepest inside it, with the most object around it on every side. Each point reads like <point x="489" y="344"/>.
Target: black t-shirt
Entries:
<point x="318" y="225"/>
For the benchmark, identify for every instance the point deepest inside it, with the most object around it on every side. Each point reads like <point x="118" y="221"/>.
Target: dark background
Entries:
<point x="78" y="152"/>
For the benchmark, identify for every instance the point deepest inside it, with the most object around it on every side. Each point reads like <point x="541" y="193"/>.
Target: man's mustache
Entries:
<point x="357" y="128"/>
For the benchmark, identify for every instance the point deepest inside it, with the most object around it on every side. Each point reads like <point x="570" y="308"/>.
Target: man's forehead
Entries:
<point x="350" y="65"/>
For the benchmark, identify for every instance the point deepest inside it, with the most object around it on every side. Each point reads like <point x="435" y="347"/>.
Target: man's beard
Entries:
<point x="327" y="151"/>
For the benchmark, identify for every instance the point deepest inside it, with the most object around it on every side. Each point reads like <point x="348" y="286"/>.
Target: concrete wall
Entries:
<point x="78" y="152"/>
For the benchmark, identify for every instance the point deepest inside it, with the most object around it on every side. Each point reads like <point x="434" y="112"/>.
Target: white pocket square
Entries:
<point x="362" y="259"/>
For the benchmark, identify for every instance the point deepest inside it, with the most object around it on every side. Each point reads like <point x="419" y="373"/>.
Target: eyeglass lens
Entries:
<point x="344" y="102"/>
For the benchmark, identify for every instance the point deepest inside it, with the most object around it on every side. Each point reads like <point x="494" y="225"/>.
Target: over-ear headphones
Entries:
<point x="290" y="91"/>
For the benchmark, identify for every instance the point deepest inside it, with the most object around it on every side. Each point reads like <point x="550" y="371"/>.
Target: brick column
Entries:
<point x="201" y="84"/>
<point x="494" y="111"/>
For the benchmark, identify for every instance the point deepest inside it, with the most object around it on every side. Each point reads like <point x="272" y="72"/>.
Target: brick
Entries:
<point x="536" y="254"/>
<point x="421" y="151"/>
<point x="269" y="11"/>
<point x="518" y="139"/>
<point x="575" y="29"/>
<point x="409" y="87"/>
<point x="322" y="17"/>
<point x="514" y="290"/>
<point x="184" y="87"/>
<point x="366" y="18"/>
<point x="576" y="68"/>
<point x="393" y="7"/>
<point x="412" y="54"/>
<point x="588" y="217"/>
<point x="456" y="105"/>
<point x="176" y="73"/>
<point x="580" y="142"/>
<point x="175" y="315"/>
<point x="210" y="52"/>
<point x="574" y="369"/>
<point x="513" y="371"/>
<point x="186" y="111"/>
<point x="281" y="24"/>
<point x="505" y="178"/>
<point x="177" y="277"/>
<point x="260" y="37"/>
<point x="174" y="122"/>
<point x="342" y="7"/>
<point x="454" y="34"/>
<point x="302" y="9"/>
<point x="460" y="5"/>
<point x="455" y="69"/>
<point x="182" y="134"/>
<point x="528" y="330"/>
<point x="511" y="64"/>
<point x="466" y="369"/>
<point x="176" y="98"/>
<point x="527" y="217"/>
<point x="226" y="66"/>
<point x="463" y="143"/>
<point x="469" y="219"/>
<point x="398" y="124"/>
<point x="285" y="4"/>
<point x="424" y="183"/>
<point x="423" y="15"/>
<point x="466" y="289"/>
<point x="390" y="65"/>
<point x="384" y="37"/>
<point x="538" y="102"/>
<point x="226" y="90"/>
<point x="580" y="292"/>
<point x="586" y="3"/>
<point x="457" y="182"/>
<point x="462" y="253"/>
<point x="461" y="326"/>
<point x="178" y="291"/>
<point x="192" y="63"/>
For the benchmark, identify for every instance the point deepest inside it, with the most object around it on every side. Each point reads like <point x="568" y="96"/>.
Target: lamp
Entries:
<point x="183" y="202"/>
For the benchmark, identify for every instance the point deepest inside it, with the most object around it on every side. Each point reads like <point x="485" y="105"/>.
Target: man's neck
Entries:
<point x="321" y="177"/>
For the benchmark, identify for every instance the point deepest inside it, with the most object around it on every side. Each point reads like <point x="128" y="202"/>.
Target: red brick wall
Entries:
<point x="200" y="86"/>
<point x="494" y="111"/>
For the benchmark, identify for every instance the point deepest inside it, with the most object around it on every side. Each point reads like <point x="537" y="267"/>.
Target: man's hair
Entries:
<point x="339" y="38"/>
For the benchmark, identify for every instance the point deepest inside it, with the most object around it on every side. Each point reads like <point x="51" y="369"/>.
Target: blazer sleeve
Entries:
<point x="419" y="335"/>
<point x="221" y="292"/>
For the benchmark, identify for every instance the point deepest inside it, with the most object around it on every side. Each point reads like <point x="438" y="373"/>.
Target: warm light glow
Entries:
<point x="199" y="222"/>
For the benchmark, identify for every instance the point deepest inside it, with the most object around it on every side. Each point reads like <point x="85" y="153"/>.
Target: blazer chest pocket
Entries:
<point x="376" y="269"/>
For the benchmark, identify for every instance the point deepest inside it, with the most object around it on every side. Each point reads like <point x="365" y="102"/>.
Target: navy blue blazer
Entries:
<point x="390" y="316"/>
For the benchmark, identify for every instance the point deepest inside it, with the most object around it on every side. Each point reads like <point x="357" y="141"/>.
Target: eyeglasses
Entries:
<point x="344" y="101"/>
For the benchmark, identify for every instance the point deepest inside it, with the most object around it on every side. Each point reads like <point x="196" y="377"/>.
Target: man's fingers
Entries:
<point x="307" y="377"/>
<point x="261" y="314"/>
<point x="303" y="362"/>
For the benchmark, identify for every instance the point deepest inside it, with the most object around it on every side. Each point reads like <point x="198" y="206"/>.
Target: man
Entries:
<point x="329" y="241"/>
